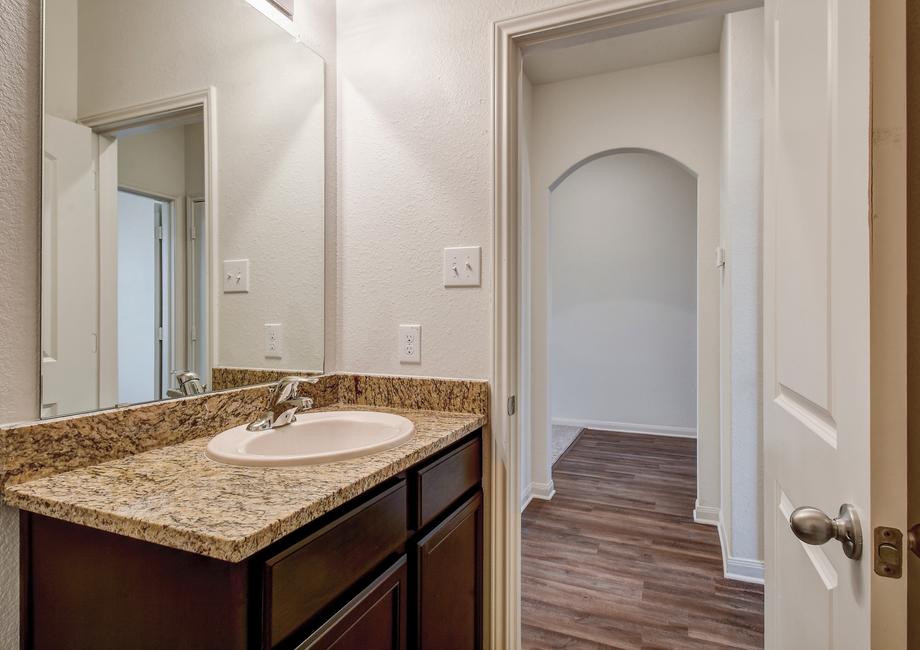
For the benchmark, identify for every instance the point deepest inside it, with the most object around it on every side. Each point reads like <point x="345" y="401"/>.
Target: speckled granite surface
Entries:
<point x="39" y="449"/>
<point x="177" y="497"/>
<point x="459" y="396"/>
<point x="225" y="378"/>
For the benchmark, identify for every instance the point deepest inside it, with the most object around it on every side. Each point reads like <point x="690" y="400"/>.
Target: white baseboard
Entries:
<point x="628" y="427"/>
<point x="543" y="491"/>
<point x="738" y="568"/>
<point x="708" y="515"/>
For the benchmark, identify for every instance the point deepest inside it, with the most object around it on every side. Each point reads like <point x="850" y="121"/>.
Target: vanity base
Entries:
<point x="398" y="567"/>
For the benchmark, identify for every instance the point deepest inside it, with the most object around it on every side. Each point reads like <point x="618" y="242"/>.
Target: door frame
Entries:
<point x="584" y="21"/>
<point x="204" y="99"/>
<point x="192" y="296"/>
<point x="595" y="19"/>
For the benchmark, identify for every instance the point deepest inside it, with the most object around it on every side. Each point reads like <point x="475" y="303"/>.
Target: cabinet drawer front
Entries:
<point x="375" y="619"/>
<point x="312" y="574"/>
<point x="440" y="484"/>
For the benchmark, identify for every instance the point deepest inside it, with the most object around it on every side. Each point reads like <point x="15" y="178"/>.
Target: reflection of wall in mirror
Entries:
<point x="269" y="149"/>
<point x="269" y="144"/>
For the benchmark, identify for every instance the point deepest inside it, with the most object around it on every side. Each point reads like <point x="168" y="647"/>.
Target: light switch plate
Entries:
<point x="410" y="343"/>
<point x="463" y="266"/>
<point x="274" y="341"/>
<point x="236" y="276"/>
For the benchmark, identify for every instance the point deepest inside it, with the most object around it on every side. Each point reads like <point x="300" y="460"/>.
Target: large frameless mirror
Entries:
<point x="182" y="200"/>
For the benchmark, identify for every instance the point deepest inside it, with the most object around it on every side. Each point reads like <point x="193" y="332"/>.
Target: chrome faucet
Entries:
<point x="284" y="404"/>
<point x="189" y="384"/>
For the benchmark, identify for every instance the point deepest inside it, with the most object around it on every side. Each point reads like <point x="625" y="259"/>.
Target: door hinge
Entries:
<point x="160" y="233"/>
<point x="512" y="405"/>
<point x="888" y="551"/>
<point x="159" y="334"/>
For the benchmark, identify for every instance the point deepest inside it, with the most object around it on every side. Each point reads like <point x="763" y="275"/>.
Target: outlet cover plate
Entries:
<point x="463" y="266"/>
<point x="236" y="276"/>
<point x="410" y="343"/>
<point x="274" y="341"/>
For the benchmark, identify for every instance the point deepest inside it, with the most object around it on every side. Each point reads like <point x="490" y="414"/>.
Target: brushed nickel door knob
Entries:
<point x="913" y="539"/>
<point x="814" y="527"/>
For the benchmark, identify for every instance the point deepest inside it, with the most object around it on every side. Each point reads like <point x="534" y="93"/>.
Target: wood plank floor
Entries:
<point x="616" y="561"/>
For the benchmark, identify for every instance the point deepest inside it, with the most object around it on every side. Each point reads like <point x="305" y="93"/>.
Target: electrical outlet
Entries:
<point x="410" y="343"/>
<point x="274" y="341"/>
<point x="236" y="276"/>
<point x="463" y="266"/>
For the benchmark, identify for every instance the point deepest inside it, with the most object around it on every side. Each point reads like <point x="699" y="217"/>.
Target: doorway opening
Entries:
<point x="138" y="253"/>
<point x="640" y="178"/>
<point x="144" y="296"/>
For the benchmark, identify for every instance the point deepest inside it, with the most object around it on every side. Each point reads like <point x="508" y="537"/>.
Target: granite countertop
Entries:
<point x="177" y="497"/>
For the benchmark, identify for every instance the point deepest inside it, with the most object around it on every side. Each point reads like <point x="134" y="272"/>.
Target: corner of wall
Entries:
<point x="20" y="50"/>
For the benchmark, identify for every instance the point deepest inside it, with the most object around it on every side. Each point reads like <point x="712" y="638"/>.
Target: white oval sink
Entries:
<point x="314" y="438"/>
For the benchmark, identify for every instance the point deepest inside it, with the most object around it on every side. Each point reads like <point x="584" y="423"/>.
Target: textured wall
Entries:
<point x="623" y="295"/>
<point x="20" y="78"/>
<point x="415" y="163"/>
<point x="316" y="22"/>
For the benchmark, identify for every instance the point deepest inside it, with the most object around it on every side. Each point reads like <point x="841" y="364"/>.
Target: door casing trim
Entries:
<point x="580" y="22"/>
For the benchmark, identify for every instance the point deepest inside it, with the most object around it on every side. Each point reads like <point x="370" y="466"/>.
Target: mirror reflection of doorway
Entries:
<point x="125" y="271"/>
<point x="144" y="295"/>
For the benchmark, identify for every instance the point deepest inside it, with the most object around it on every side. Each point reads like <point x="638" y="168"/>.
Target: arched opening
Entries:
<point x="622" y="296"/>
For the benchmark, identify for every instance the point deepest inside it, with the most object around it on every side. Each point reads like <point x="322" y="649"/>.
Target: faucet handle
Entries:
<point x="286" y="388"/>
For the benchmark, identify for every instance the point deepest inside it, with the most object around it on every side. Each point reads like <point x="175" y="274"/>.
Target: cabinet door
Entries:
<point x="449" y="581"/>
<point x="374" y="620"/>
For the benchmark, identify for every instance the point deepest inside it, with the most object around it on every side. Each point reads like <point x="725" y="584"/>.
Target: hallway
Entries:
<point x="616" y="561"/>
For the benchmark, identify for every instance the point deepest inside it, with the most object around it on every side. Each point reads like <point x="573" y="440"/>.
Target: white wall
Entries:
<point x="61" y="58"/>
<point x="270" y="144"/>
<point x="742" y="152"/>
<point x="20" y="126"/>
<point x="316" y="23"/>
<point x="671" y="108"/>
<point x="415" y="152"/>
<point x="622" y="331"/>
<point x="154" y="161"/>
<point x="194" y="160"/>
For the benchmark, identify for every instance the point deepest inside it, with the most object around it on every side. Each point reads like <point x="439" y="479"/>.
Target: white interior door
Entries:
<point x="140" y="298"/>
<point x="70" y="296"/>
<point x="816" y="317"/>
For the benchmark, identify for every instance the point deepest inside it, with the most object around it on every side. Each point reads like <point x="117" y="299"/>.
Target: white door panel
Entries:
<point x="816" y="313"/>
<point x="70" y="297"/>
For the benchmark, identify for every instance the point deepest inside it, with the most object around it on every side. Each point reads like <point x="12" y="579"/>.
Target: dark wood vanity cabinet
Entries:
<point x="398" y="567"/>
<point x="448" y="577"/>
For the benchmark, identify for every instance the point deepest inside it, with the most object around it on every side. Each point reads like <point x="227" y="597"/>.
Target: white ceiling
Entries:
<point x="630" y="51"/>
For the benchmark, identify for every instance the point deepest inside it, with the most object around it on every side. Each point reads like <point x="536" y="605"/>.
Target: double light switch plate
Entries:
<point x="463" y="266"/>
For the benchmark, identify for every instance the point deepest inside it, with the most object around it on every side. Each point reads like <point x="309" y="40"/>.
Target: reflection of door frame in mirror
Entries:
<point x="193" y="302"/>
<point x="136" y="115"/>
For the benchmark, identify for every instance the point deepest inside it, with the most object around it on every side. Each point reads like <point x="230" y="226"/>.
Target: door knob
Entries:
<point x="814" y="527"/>
<point x="913" y="539"/>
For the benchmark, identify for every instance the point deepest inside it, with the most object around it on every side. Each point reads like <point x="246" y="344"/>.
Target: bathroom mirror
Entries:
<point x="182" y="200"/>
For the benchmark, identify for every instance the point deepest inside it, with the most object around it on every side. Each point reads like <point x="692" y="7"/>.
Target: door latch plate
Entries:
<point x="888" y="550"/>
